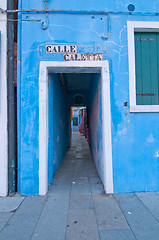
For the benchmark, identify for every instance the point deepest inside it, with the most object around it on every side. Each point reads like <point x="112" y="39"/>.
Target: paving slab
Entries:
<point x="82" y="225"/>
<point x="79" y="155"/>
<point x="76" y="208"/>
<point x="81" y="202"/>
<point x="97" y="188"/>
<point x="117" y="235"/>
<point x="80" y="173"/>
<point x="53" y="219"/>
<point x="80" y="188"/>
<point x="60" y="188"/>
<point x="63" y="176"/>
<point x="22" y="223"/>
<point x="92" y="173"/>
<point x="143" y="224"/>
<point x="108" y="213"/>
<point x="95" y="180"/>
<point x="151" y="201"/>
<point x="79" y="169"/>
<point x="4" y="218"/>
<point x="9" y="204"/>
<point x="83" y="180"/>
<point x="89" y="164"/>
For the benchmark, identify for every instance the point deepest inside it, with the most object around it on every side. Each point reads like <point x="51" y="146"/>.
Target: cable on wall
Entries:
<point x="44" y="27"/>
<point x="47" y="12"/>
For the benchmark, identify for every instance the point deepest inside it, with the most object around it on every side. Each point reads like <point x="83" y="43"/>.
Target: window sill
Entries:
<point x="144" y="108"/>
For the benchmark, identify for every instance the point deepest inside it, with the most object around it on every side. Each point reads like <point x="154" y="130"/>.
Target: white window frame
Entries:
<point x="132" y="27"/>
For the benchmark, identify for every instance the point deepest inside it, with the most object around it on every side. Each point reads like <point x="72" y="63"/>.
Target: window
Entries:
<point x="146" y="65"/>
<point x="78" y="99"/>
<point x="143" y="50"/>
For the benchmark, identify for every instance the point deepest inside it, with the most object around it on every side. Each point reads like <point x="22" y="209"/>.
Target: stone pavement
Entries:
<point x="76" y="207"/>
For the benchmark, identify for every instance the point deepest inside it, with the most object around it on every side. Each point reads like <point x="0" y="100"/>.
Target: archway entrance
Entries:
<point x="99" y="72"/>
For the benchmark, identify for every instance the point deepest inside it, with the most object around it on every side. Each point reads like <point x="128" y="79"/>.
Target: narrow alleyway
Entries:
<point x="78" y="179"/>
<point x="76" y="207"/>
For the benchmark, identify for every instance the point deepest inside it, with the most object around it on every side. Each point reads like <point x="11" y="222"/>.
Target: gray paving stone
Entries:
<point x="116" y="235"/>
<point x="108" y="213"/>
<point x="140" y="219"/>
<point x="70" y="155"/>
<point x="80" y="188"/>
<point x="22" y="223"/>
<point x="79" y="155"/>
<point x="92" y="173"/>
<point x="53" y="220"/>
<point x="82" y="225"/>
<point x="63" y="177"/>
<point x="60" y="188"/>
<point x="67" y="168"/>
<point x="80" y="180"/>
<point x="80" y="174"/>
<point x="4" y="217"/>
<point x="79" y="168"/>
<point x="89" y="164"/>
<point x="151" y="201"/>
<point x="9" y="204"/>
<point x="97" y="188"/>
<point x="95" y="180"/>
<point x="80" y="210"/>
<point x="81" y="202"/>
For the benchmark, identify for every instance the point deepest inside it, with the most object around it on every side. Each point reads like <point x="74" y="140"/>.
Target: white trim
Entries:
<point x="144" y="108"/>
<point x="107" y="150"/>
<point x="43" y="130"/>
<point x="3" y="105"/>
<point x="138" y="26"/>
<point x="43" y="117"/>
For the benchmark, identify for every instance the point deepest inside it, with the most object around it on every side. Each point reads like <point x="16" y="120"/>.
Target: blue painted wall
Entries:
<point x="135" y="139"/>
<point x="61" y="125"/>
<point x="95" y="124"/>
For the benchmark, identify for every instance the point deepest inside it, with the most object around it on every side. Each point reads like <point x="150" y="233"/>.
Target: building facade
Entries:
<point x="98" y="54"/>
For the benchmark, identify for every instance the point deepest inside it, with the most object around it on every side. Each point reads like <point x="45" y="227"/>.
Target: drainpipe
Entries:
<point x="10" y="89"/>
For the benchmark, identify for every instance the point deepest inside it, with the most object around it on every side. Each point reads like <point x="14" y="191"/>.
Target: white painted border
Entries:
<point x="43" y="119"/>
<point x="3" y="105"/>
<point x="138" y="26"/>
<point x="106" y="121"/>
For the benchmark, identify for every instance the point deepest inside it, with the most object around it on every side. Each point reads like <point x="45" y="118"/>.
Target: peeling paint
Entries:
<point x="150" y="138"/>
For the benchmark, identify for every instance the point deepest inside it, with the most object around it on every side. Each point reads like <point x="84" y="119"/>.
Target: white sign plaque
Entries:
<point x="61" y="48"/>
<point x="83" y="57"/>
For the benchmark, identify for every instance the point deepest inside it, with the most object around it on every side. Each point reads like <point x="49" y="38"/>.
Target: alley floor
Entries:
<point x="76" y="207"/>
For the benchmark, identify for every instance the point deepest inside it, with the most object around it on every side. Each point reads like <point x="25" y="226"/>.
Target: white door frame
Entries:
<point x="71" y="66"/>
